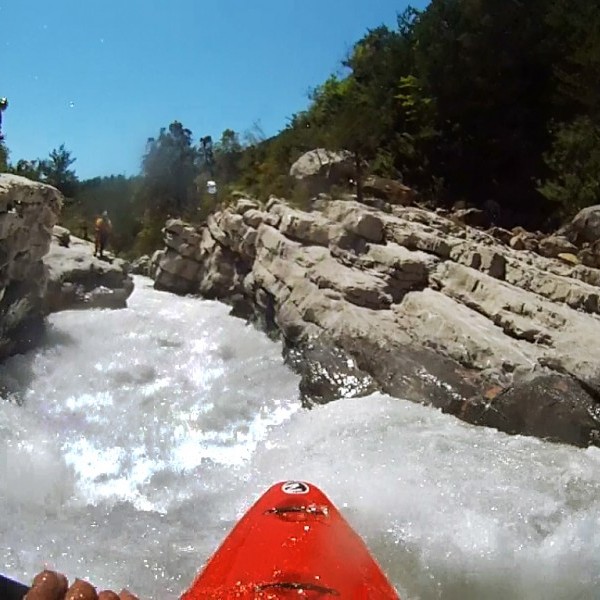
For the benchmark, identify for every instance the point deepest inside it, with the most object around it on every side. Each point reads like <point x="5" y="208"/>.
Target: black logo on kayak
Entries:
<point x="295" y="487"/>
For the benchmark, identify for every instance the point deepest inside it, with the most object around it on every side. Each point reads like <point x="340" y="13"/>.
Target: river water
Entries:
<point x="132" y="441"/>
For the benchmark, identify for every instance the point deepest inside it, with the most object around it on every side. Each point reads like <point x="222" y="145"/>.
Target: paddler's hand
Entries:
<point x="50" y="585"/>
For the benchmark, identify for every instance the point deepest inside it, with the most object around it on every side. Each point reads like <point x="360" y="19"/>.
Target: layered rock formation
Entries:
<point x="413" y="303"/>
<point x="28" y="212"/>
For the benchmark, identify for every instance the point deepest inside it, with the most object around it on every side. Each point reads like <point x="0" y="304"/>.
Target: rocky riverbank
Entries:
<point x="413" y="303"/>
<point x="28" y="213"/>
<point x="42" y="268"/>
<point x="77" y="279"/>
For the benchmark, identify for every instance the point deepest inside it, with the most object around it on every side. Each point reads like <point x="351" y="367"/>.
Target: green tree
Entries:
<point x="575" y="26"/>
<point x="227" y="154"/>
<point x="574" y="159"/>
<point x="167" y="186"/>
<point x="344" y="109"/>
<point x="3" y="157"/>
<point x="115" y="194"/>
<point x="488" y="65"/>
<point x="169" y="168"/>
<point x="575" y="162"/>
<point x="416" y="134"/>
<point x="55" y="171"/>
<point x="32" y="169"/>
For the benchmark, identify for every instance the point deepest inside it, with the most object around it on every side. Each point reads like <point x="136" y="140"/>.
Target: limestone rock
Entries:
<point x="28" y="212"/>
<point x="551" y="406"/>
<point x="327" y="372"/>
<point x="524" y="241"/>
<point x="500" y="234"/>
<point x="465" y="335"/>
<point x="243" y="205"/>
<point x="554" y="245"/>
<point x="325" y="163"/>
<point x="569" y="257"/>
<point x="358" y="287"/>
<point x="76" y="279"/>
<point x="589" y="255"/>
<point x="390" y="190"/>
<point x="413" y="303"/>
<point x="585" y="226"/>
<point x="310" y="228"/>
<point x="318" y="170"/>
<point x="141" y="266"/>
<point x="474" y="217"/>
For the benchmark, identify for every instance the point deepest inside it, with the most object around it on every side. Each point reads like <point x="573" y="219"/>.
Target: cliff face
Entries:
<point x="28" y="212"/>
<point x="412" y="303"/>
<point x="43" y="269"/>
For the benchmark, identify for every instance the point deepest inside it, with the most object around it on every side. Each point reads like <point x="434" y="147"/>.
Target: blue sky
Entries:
<point x="101" y="76"/>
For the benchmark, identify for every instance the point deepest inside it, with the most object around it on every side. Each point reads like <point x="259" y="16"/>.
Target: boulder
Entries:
<point x="554" y="245"/>
<point x="141" y="266"/>
<point x="474" y="217"/>
<point x="243" y="205"/>
<point x="549" y="406"/>
<point x="28" y="212"/>
<point x="585" y="226"/>
<point x="589" y="255"/>
<point x="390" y="190"/>
<point x="320" y="169"/>
<point x="327" y="372"/>
<point x="62" y="236"/>
<point x="77" y="279"/>
<point x="524" y="241"/>
<point x="500" y="234"/>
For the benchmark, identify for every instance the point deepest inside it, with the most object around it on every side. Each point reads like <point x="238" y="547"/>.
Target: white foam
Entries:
<point x="145" y="433"/>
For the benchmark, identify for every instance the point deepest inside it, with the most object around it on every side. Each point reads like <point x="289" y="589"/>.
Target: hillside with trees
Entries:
<point x="486" y="102"/>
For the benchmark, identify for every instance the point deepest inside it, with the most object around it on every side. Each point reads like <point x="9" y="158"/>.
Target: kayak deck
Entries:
<point x="292" y="543"/>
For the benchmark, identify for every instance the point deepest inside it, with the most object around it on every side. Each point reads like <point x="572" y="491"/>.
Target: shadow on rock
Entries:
<point x="551" y="406"/>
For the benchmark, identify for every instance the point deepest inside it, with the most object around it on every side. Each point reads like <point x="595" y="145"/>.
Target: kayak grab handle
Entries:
<point x="311" y="509"/>
<point x="308" y="587"/>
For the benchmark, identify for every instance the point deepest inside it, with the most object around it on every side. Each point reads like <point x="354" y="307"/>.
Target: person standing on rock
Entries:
<point x="103" y="228"/>
<point x="3" y="107"/>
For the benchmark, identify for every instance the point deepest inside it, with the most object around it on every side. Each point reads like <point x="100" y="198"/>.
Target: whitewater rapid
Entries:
<point x="132" y="441"/>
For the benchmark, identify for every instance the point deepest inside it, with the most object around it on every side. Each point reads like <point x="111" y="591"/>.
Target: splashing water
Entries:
<point x="132" y="441"/>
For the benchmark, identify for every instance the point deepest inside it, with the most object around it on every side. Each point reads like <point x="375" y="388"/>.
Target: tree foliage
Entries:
<point x="476" y="100"/>
<point x="574" y="158"/>
<point x="575" y="161"/>
<point x="3" y="157"/>
<point x="169" y="168"/>
<point x="56" y="170"/>
<point x="471" y="100"/>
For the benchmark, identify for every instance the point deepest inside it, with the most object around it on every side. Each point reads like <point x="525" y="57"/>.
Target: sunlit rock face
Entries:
<point x="413" y="303"/>
<point x="319" y="169"/>
<point x="43" y="268"/>
<point x="77" y="279"/>
<point x="28" y="212"/>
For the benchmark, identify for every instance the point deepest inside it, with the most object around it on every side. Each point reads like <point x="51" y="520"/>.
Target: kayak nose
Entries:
<point x="300" y="513"/>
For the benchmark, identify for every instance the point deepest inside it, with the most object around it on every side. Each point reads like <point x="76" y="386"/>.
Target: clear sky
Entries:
<point x="101" y="76"/>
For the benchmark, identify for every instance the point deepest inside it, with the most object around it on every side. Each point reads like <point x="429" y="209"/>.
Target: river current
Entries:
<point x="132" y="441"/>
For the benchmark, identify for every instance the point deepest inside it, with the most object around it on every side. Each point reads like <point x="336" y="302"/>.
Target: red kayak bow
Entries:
<point x="293" y="543"/>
